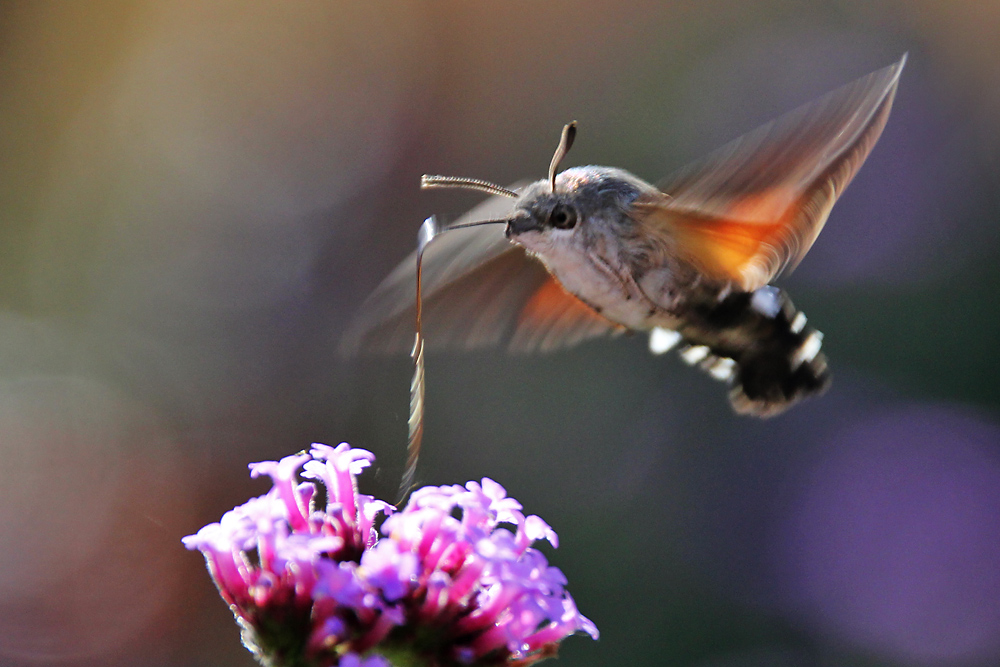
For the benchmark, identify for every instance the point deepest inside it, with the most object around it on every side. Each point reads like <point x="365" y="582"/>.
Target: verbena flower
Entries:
<point x="454" y="579"/>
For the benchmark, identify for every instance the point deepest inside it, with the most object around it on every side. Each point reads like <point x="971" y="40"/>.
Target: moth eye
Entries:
<point x="562" y="217"/>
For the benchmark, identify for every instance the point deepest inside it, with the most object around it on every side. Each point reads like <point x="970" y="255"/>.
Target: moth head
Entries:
<point x="587" y="202"/>
<point x="541" y="210"/>
<point x="561" y="206"/>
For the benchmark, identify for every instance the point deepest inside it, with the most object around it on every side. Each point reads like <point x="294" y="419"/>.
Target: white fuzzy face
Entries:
<point x="550" y="242"/>
<point x="565" y="255"/>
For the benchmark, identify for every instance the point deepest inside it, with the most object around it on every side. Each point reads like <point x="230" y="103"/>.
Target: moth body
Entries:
<point x="592" y="239"/>
<point x="594" y="251"/>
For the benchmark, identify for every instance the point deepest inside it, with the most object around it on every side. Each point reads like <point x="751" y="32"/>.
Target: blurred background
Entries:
<point x="196" y="197"/>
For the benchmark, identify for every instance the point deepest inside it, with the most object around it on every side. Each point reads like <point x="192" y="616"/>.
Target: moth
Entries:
<point x="596" y="251"/>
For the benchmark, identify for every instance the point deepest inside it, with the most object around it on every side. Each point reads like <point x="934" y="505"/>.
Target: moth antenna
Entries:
<point x="565" y="143"/>
<point x="428" y="182"/>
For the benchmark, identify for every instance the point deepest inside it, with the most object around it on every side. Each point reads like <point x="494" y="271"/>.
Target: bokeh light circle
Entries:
<point x="892" y="543"/>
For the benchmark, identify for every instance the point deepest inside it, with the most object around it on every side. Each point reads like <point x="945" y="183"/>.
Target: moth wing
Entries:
<point x="552" y="318"/>
<point x="753" y="208"/>
<point x="479" y="290"/>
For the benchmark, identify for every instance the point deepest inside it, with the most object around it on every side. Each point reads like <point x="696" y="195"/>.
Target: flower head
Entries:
<point x="310" y="582"/>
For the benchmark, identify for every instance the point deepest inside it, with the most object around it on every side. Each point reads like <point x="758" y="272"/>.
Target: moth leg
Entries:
<point x="624" y="281"/>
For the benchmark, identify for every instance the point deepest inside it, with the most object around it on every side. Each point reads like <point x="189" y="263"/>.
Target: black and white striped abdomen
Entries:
<point x="757" y="342"/>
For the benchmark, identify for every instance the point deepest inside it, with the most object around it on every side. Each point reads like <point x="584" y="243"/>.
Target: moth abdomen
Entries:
<point x="763" y="346"/>
<point x="769" y="382"/>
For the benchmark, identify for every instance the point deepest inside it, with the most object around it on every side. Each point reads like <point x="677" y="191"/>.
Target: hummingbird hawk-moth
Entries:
<point x="595" y="251"/>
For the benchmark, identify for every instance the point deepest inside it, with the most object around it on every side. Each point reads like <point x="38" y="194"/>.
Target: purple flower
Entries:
<point x="454" y="579"/>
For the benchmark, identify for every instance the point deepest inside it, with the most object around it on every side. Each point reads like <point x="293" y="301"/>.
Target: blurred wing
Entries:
<point x="480" y="290"/>
<point x="753" y="208"/>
